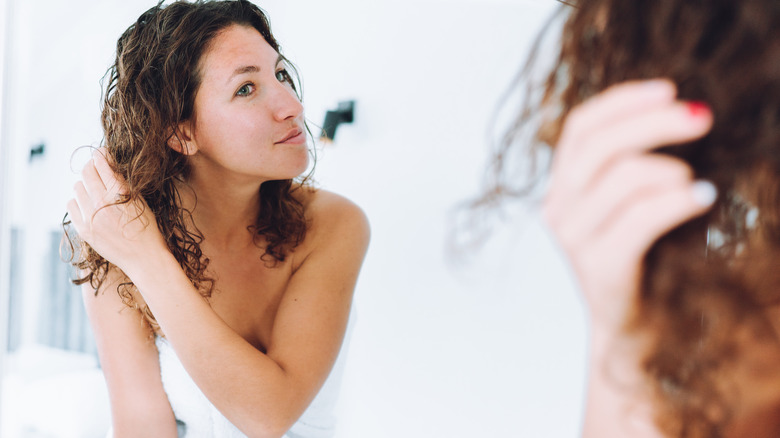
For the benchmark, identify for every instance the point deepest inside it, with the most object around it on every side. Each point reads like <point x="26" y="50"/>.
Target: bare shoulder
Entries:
<point x="330" y="213"/>
<point x="334" y="222"/>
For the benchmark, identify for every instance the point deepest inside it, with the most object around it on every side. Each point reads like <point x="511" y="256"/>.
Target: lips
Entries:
<point x="295" y="135"/>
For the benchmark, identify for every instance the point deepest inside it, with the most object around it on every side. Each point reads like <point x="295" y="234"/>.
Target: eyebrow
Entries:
<point x="251" y="68"/>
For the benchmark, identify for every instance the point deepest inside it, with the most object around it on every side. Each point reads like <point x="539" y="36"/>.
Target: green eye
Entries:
<point x="245" y="90"/>
<point x="284" y="76"/>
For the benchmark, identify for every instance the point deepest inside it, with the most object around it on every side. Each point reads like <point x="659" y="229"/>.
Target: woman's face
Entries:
<point x="248" y="121"/>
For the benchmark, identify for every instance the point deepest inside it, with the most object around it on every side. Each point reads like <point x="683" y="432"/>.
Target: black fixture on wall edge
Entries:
<point x="344" y="113"/>
<point x="37" y="151"/>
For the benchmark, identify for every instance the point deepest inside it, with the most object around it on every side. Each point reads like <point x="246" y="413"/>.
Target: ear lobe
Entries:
<point x="180" y="140"/>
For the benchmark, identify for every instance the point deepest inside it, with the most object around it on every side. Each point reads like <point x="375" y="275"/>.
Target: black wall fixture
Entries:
<point x="37" y="151"/>
<point x="344" y="113"/>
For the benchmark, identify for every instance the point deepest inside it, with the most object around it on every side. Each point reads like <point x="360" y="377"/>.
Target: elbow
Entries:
<point x="271" y="425"/>
<point x="274" y="420"/>
<point x="268" y="429"/>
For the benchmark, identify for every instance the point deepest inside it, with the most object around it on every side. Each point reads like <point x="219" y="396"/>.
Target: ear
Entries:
<point x="181" y="141"/>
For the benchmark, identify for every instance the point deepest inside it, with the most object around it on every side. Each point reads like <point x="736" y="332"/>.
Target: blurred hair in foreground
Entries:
<point x="710" y="286"/>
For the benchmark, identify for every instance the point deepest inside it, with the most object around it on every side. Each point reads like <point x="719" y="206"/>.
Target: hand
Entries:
<point x="123" y="233"/>
<point x="610" y="198"/>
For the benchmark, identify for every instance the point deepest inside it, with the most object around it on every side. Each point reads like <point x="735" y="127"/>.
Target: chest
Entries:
<point x="247" y="293"/>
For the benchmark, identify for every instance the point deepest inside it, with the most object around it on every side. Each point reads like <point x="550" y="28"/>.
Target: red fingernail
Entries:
<point x="698" y="109"/>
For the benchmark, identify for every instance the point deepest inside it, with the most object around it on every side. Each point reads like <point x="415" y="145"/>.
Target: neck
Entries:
<point x="222" y="211"/>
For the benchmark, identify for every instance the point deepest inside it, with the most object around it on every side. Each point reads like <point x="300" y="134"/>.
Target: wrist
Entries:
<point x="599" y="341"/>
<point x="622" y="353"/>
<point x="150" y="267"/>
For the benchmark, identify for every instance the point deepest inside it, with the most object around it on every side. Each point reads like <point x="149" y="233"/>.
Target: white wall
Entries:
<point x="437" y="351"/>
<point x="495" y="348"/>
<point x="4" y="184"/>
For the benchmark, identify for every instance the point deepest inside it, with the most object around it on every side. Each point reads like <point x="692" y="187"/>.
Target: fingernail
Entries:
<point x="698" y="109"/>
<point x="704" y="192"/>
<point x="658" y="86"/>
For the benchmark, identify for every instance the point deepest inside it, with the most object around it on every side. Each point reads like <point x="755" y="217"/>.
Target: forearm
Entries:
<point x="247" y="386"/>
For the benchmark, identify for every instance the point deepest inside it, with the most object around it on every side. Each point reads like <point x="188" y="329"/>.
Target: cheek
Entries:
<point x="220" y="127"/>
<point x="244" y="123"/>
<point x="208" y="125"/>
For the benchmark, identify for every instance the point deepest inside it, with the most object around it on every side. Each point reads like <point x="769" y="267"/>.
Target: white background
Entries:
<point x="490" y="348"/>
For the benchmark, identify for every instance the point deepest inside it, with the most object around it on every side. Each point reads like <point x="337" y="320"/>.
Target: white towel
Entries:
<point x="202" y="420"/>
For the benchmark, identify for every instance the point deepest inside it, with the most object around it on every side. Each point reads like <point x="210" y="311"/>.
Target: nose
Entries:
<point x="286" y="103"/>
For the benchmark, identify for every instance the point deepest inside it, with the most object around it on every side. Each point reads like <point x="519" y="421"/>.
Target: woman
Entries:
<point x="664" y="195"/>
<point x="201" y="252"/>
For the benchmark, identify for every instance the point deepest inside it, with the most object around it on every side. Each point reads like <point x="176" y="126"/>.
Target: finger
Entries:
<point x="92" y="182"/>
<point x="626" y="182"/>
<point x="670" y="124"/>
<point x="637" y="177"/>
<point x="86" y="204"/>
<point x="618" y="101"/>
<point x="644" y="222"/>
<point x="76" y="218"/>
<point x="112" y="181"/>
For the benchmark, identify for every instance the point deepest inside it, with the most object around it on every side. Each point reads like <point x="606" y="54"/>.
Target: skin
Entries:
<point x="609" y="200"/>
<point x="262" y="346"/>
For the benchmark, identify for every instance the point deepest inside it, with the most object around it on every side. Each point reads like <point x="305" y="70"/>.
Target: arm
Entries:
<point x="609" y="200"/>
<point x="262" y="394"/>
<point x="128" y="357"/>
<point x="615" y="404"/>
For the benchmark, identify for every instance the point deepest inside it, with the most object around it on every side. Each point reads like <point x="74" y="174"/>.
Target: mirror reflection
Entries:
<point x="430" y="351"/>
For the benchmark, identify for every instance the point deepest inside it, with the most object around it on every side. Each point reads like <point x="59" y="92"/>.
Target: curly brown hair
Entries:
<point x="151" y="89"/>
<point x="705" y="304"/>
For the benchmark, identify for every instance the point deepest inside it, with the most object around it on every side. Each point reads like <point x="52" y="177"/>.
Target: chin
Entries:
<point x="295" y="169"/>
<point x="303" y="164"/>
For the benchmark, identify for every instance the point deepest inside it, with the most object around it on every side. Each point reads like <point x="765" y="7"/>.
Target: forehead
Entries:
<point x="234" y="47"/>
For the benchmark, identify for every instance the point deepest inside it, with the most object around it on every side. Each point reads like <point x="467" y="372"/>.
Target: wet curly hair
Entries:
<point x="150" y="90"/>
<point x="707" y="298"/>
